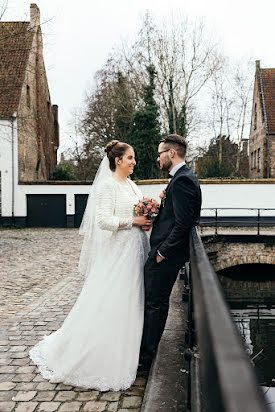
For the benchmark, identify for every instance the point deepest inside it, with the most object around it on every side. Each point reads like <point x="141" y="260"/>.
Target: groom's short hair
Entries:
<point x="177" y="142"/>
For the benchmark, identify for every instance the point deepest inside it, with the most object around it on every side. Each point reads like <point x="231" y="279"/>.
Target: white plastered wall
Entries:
<point x="8" y="132"/>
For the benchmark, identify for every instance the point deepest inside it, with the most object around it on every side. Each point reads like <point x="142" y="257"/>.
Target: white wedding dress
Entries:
<point x="98" y="344"/>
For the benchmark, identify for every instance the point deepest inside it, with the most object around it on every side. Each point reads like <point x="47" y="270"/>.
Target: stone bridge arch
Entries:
<point x="227" y="251"/>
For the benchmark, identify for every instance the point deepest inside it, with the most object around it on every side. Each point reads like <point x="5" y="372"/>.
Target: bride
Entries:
<point x="98" y="344"/>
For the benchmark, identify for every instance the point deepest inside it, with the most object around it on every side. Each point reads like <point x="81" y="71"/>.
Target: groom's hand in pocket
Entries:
<point x="159" y="258"/>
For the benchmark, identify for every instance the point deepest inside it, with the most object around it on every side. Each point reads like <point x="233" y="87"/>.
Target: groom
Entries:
<point x="179" y="212"/>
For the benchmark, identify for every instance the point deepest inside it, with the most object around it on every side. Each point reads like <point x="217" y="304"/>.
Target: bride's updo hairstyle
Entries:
<point x="114" y="149"/>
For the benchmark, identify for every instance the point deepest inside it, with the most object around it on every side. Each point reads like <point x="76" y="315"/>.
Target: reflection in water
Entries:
<point x="257" y="328"/>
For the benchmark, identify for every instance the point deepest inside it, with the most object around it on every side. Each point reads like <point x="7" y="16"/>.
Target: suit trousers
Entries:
<point x="159" y="280"/>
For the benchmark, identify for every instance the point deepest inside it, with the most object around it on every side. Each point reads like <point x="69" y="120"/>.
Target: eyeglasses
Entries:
<point x="159" y="153"/>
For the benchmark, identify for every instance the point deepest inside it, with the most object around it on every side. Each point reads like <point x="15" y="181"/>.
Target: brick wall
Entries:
<point x="257" y="138"/>
<point x="272" y="155"/>
<point x="38" y="137"/>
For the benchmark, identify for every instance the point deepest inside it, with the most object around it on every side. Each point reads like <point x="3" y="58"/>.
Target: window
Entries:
<point x="259" y="159"/>
<point x="255" y="116"/>
<point x="255" y="159"/>
<point x="28" y="96"/>
<point x="251" y="160"/>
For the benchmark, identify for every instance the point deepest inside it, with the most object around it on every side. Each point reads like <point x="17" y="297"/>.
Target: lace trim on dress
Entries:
<point x="125" y="223"/>
<point x="112" y="383"/>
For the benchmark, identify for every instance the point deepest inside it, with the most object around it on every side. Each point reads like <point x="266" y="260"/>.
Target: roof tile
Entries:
<point x="268" y="79"/>
<point x="15" y="44"/>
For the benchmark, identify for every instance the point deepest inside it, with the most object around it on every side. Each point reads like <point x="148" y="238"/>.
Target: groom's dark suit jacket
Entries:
<point x="179" y="213"/>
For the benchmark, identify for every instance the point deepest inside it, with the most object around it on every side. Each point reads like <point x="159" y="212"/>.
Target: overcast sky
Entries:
<point x="78" y="35"/>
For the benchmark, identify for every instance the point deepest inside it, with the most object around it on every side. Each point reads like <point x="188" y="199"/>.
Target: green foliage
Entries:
<point x="144" y="133"/>
<point x="208" y="165"/>
<point x="63" y="171"/>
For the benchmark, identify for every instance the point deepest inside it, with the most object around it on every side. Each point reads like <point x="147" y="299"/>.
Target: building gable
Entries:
<point x="15" y="45"/>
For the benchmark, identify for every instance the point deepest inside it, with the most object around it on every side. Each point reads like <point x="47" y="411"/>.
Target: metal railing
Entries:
<point x="257" y="220"/>
<point x="222" y="378"/>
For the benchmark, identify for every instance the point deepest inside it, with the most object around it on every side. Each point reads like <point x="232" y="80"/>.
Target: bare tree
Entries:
<point x="242" y="85"/>
<point x="3" y="8"/>
<point x="184" y="56"/>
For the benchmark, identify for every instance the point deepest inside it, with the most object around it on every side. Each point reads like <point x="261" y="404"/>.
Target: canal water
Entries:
<point x="250" y="293"/>
<point x="257" y="329"/>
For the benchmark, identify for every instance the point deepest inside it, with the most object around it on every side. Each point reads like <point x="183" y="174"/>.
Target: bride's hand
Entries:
<point x="142" y="221"/>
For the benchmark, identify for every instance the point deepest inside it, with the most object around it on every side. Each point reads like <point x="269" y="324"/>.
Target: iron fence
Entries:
<point x="222" y="378"/>
<point x="258" y="220"/>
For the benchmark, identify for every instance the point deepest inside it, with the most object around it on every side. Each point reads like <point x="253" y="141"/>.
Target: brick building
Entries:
<point x="262" y="129"/>
<point x="29" y="131"/>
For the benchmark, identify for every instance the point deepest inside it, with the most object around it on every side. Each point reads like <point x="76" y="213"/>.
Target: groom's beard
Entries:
<point x="166" y="165"/>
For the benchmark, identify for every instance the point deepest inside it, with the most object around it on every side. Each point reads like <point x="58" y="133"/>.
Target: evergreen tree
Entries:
<point x="144" y="133"/>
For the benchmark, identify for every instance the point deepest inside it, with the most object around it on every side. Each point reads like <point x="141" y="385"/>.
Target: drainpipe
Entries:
<point x="266" y="128"/>
<point x="12" y="165"/>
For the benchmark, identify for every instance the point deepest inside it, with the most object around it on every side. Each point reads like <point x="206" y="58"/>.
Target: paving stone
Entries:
<point x="39" y="378"/>
<point x="65" y="396"/>
<point x="18" y="355"/>
<point x="24" y="396"/>
<point x="38" y="298"/>
<point x="7" y="386"/>
<point x="135" y="391"/>
<point x="6" y="395"/>
<point x="6" y="377"/>
<point x="48" y="406"/>
<point x="23" y="377"/>
<point x="5" y="361"/>
<point x="26" y="406"/>
<point x="25" y="369"/>
<point x="25" y="386"/>
<point x="94" y="406"/>
<point x="20" y="362"/>
<point x="6" y="406"/>
<point x="7" y="369"/>
<point x="128" y="410"/>
<point x="131" y="402"/>
<point x="140" y="381"/>
<point x="110" y="396"/>
<point x="113" y="406"/>
<point x="87" y="396"/>
<point x="18" y="348"/>
<point x="45" y="386"/>
<point x="45" y="396"/>
<point x="62" y="387"/>
<point x="71" y="407"/>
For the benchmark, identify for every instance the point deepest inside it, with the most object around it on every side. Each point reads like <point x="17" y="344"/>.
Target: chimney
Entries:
<point x="258" y="65"/>
<point x="245" y="147"/>
<point x="34" y="16"/>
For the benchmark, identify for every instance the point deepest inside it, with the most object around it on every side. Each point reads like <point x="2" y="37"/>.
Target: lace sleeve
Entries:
<point x="105" y="208"/>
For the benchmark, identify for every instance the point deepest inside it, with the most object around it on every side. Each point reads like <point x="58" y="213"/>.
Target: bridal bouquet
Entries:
<point x="147" y="206"/>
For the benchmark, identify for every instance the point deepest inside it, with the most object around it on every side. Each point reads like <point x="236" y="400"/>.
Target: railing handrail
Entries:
<point x="237" y="208"/>
<point x="228" y="379"/>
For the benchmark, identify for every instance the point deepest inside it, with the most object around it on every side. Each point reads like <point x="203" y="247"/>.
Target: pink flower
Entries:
<point x="153" y="210"/>
<point x="161" y="195"/>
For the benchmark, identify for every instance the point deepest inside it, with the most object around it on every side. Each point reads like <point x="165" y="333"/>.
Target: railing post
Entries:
<point x="216" y="226"/>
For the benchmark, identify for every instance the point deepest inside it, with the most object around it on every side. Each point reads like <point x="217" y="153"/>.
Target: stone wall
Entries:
<point x="223" y="254"/>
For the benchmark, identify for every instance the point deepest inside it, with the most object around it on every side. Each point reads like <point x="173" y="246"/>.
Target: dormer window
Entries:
<point x="28" y="96"/>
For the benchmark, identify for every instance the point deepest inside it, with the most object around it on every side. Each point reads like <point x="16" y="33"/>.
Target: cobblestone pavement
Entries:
<point x="39" y="285"/>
